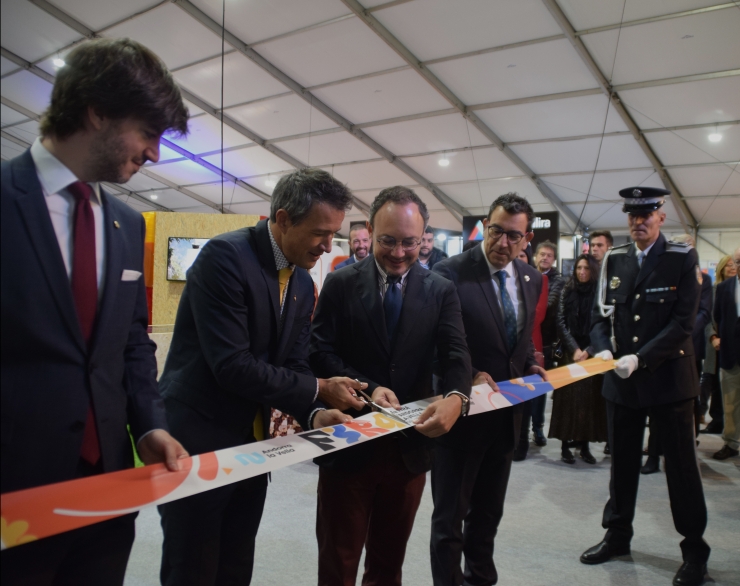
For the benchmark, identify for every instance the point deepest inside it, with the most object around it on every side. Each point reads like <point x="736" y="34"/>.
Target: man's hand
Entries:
<point x="580" y="355"/>
<point x="439" y="417"/>
<point x="626" y="365"/>
<point x="604" y="355"/>
<point x="483" y="378"/>
<point x="538" y="370"/>
<point x="329" y="417"/>
<point x="385" y="398"/>
<point x="159" y="446"/>
<point x="715" y="343"/>
<point x="339" y="392"/>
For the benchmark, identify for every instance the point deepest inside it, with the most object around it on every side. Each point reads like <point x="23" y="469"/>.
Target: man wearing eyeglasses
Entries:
<point x="499" y="295"/>
<point x="380" y="321"/>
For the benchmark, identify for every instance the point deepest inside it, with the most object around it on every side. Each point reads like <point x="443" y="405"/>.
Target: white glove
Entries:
<point x="626" y="365"/>
<point x="604" y="355"/>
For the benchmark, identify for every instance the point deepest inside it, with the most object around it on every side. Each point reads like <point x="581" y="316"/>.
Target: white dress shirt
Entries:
<point x="512" y="287"/>
<point x="645" y="252"/>
<point x="55" y="177"/>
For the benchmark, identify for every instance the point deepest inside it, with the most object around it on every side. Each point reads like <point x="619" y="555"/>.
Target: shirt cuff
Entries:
<point x="316" y="396"/>
<point x="146" y="434"/>
<point x="312" y="415"/>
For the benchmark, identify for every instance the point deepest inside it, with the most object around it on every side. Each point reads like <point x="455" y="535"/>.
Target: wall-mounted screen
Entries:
<point x="181" y="254"/>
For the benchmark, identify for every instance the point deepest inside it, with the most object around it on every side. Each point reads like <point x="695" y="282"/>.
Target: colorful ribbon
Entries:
<point x="35" y="513"/>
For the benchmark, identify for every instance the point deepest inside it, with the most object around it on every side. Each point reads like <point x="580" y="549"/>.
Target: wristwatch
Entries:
<point x="465" y="402"/>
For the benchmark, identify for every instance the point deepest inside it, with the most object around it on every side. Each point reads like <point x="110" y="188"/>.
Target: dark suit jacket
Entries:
<point x="348" y="338"/>
<point x="48" y="373"/>
<point x="703" y="317"/>
<point x="728" y="324"/>
<point x="345" y="263"/>
<point x="228" y="357"/>
<point x="486" y="336"/>
<point x="655" y="314"/>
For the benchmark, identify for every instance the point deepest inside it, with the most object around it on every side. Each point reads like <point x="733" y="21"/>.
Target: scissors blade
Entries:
<point x="377" y="408"/>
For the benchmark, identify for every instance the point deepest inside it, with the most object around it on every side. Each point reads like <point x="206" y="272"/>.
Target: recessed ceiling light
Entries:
<point x="153" y="196"/>
<point x="270" y="183"/>
<point x="715" y="137"/>
<point x="58" y="62"/>
<point x="441" y="237"/>
<point x="443" y="162"/>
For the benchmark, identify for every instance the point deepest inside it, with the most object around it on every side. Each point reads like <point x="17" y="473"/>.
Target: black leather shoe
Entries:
<point x="652" y="465"/>
<point x="607" y="449"/>
<point x="713" y="427"/>
<point x="724" y="453"/>
<point x="567" y="456"/>
<point x="539" y="438"/>
<point x="603" y="552"/>
<point x="587" y="456"/>
<point x="520" y="453"/>
<point x="690" y="574"/>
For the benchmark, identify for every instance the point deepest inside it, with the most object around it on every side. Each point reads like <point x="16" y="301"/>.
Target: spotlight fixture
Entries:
<point x="441" y="236"/>
<point x="270" y="183"/>
<point x="58" y="62"/>
<point x="153" y="196"/>
<point x="444" y="161"/>
<point x="715" y="137"/>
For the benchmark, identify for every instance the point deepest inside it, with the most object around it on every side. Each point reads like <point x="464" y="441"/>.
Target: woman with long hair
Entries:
<point x="578" y="409"/>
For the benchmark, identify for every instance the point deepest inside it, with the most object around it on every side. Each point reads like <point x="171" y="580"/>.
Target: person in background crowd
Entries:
<point x="600" y="241"/>
<point x="499" y="296"/>
<point x="578" y="409"/>
<point x="77" y="363"/>
<point x="710" y="387"/>
<point x="727" y="318"/>
<point x="703" y="318"/>
<point x="240" y="344"/>
<point x="428" y="255"/>
<point x="545" y="259"/>
<point x="359" y="246"/>
<point x="379" y="321"/>
<point x="645" y="311"/>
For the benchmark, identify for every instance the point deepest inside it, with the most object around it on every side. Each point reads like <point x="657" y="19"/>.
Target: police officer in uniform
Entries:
<point x="645" y="311"/>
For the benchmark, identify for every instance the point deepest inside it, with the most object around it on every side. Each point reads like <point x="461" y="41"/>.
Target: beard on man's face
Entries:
<point x="108" y="158"/>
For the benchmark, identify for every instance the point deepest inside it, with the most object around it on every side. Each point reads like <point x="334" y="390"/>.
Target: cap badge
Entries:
<point x="637" y="193"/>
<point x="615" y="283"/>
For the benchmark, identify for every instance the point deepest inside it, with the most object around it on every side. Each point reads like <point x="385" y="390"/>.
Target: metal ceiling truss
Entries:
<point x="437" y="84"/>
<point x="688" y="221"/>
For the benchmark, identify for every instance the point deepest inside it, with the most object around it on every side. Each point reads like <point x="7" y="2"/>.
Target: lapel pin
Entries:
<point x="295" y="297"/>
<point x="526" y="278"/>
<point x="116" y="224"/>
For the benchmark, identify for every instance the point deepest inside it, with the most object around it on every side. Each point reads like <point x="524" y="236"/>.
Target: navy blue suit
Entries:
<point x="49" y="374"/>
<point x="345" y="263"/>
<point x="232" y="353"/>
<point x="728" y="324"/>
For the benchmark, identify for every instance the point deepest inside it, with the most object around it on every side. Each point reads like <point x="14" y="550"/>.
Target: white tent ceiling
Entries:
<point x="513" y="93"/>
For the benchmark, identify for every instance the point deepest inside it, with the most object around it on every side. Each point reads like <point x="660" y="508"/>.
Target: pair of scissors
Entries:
<point x="365" y="398"/>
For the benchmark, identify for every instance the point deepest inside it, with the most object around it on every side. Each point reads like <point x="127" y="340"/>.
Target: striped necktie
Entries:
<point x="509" y="313"/>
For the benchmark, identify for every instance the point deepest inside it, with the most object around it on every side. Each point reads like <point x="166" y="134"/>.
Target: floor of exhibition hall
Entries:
<point x="553" y="513"/>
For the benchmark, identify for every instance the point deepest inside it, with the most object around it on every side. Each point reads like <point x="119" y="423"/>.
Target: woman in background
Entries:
<point x="578" y="410"/>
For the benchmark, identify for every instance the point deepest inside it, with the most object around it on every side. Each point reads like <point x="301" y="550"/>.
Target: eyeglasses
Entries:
<point x="496" y="232"/>
<point x="390" y="243"/>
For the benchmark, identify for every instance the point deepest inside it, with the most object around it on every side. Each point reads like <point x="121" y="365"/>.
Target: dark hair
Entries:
<point x="547" y="244"/>
<point x="603" y="233"/>
<point x="530" y="257"/>
<point x="400" y="195"/>
<point x="428" y="230"/>
<point x="118" y="78"/>
<point x="513" y="204"/>
<point x="593" y="268"/>
<point x="357" y="226"/>
<point x="296" y="192"/>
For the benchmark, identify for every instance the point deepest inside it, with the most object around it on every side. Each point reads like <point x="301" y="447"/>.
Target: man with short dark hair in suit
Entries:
<point x="240" y="344"/>
<point x="499" y="295"/>
<point x="359" y="246"/>
<point x="381" y="321"/>
<point x="727" y="318"/>
<point x="77" y="363"/>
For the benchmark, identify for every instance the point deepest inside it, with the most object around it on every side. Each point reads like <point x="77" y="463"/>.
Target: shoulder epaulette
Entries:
<point x="672" y="246"/>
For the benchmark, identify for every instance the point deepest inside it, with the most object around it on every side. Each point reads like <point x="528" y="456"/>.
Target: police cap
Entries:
<point x="643" y="199"/>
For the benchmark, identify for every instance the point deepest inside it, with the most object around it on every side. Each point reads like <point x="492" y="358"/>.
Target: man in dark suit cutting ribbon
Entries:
<point x="77" y="363"/>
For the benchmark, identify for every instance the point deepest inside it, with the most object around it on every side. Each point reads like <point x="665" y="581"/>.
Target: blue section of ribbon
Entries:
<point x="532" y="386"/>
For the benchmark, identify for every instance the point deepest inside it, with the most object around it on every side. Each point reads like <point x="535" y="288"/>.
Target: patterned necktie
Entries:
<point x="85" y="293"/>
<point x="641" y="257"/>
<point x="392" y="303"/>
<point x="283" y="278"/>
<point x="509" y="313"/>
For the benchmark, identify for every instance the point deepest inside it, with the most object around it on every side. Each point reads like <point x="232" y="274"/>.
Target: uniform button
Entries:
<point x="680" y="352"/>
<point x="637" y="296"/>
<point x="614" y="300"/>
<point x="662" y="300"/>
<point x="635" y="339"/>
<point x="637" y="318"/>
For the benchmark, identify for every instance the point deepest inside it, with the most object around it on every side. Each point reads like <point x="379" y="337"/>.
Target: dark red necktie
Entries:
<point x="85" y="293"/>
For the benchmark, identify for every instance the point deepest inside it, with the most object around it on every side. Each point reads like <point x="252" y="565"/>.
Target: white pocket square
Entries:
<point x="129" y="275"/>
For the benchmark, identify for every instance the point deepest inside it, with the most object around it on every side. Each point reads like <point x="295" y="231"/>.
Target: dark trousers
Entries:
<point x="209" y="537"/>
<point x="710" y="389"/>
<point x="468" y="489"/>
<point x="91" y="555"/>
<point x="673" y="425"/>
<point x="373" y="507"/>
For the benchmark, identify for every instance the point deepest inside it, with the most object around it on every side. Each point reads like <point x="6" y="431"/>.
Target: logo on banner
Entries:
<point x="477" y="233"/>
<point x="330" y="438"/>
